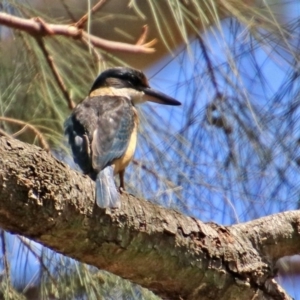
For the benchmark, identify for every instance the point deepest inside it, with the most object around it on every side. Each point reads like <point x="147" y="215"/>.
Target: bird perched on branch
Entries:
<point x="102" y="129"/>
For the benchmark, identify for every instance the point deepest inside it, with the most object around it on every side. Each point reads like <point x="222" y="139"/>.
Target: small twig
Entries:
<point x="97" y="55"/>
<point x="67" y="9"/>
<point x="209" y="67"/>
<point x="144" y="167"/>
<point x="35" y="27"/>
<point x="40" y="136"/>
<point x="155" y="174"/>
<point x="3" y="133"/>
<point x="84" y="18"/>
<point x="150" y="44"/>
<point x="144" y="35"/>
<point x="55" y="72"/>
<point x="44" y="25"/>
<point x="14" y="135"/>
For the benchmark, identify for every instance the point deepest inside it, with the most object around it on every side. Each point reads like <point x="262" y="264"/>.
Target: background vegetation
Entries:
<point x="229" y="154"/>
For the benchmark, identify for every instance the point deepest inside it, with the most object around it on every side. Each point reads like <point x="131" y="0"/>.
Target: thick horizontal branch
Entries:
<point x="171" y="254"/>
<point x="37" y="26"/>
<point x="274" y="236"/>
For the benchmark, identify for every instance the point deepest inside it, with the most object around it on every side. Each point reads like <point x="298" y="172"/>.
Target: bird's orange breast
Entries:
<point x="121" y="163"/>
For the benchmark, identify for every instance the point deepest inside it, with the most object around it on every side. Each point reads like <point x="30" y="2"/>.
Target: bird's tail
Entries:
<point x="106" y="192"/>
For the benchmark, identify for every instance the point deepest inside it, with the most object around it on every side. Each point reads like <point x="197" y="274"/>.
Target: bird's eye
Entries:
<point x="134" y="80"/>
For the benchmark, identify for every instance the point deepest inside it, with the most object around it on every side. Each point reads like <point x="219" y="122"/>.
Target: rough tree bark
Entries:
<point x="175" y="256"/>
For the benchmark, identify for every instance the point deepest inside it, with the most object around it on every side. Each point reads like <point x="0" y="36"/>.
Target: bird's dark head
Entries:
<point x="130" y="83"/>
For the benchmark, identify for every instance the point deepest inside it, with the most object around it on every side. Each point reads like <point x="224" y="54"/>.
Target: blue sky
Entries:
<point x="216" y="198"/>
<point x="184" y="69"/>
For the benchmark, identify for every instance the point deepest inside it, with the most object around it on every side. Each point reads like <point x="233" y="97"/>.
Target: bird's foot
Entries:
<point x="123" y="191"/>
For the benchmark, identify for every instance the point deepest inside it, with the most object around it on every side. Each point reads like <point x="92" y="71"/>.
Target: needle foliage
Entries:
<point x="229" y="154"/>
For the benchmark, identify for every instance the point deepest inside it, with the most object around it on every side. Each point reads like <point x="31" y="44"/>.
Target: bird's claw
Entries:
<point x="122" y="190"/>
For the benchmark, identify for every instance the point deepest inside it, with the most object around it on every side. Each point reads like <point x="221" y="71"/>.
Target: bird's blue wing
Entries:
<point x="80" y="144"/>
<point x="99" y="131"/>
<point x="112" y="135"/>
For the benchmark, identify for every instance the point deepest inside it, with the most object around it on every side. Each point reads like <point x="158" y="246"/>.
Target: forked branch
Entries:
<point x="37" y="27"/>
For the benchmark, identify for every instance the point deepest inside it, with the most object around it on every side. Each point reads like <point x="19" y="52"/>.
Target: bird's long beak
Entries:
<point x="158" y="97"/>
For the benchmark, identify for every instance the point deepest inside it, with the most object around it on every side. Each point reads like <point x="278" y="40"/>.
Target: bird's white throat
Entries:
<point x="133" y="95"/>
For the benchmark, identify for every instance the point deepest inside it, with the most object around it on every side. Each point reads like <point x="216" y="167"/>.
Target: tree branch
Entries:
<point x="36" y="27"/>
<point x="169" y="253"/>
<point x="59" y="80"/>
<point x="25" y="125"/>
<point x="274" y="236"/>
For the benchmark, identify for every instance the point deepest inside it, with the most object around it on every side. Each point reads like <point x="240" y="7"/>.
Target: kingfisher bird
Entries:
<point x="102" y="129"/>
